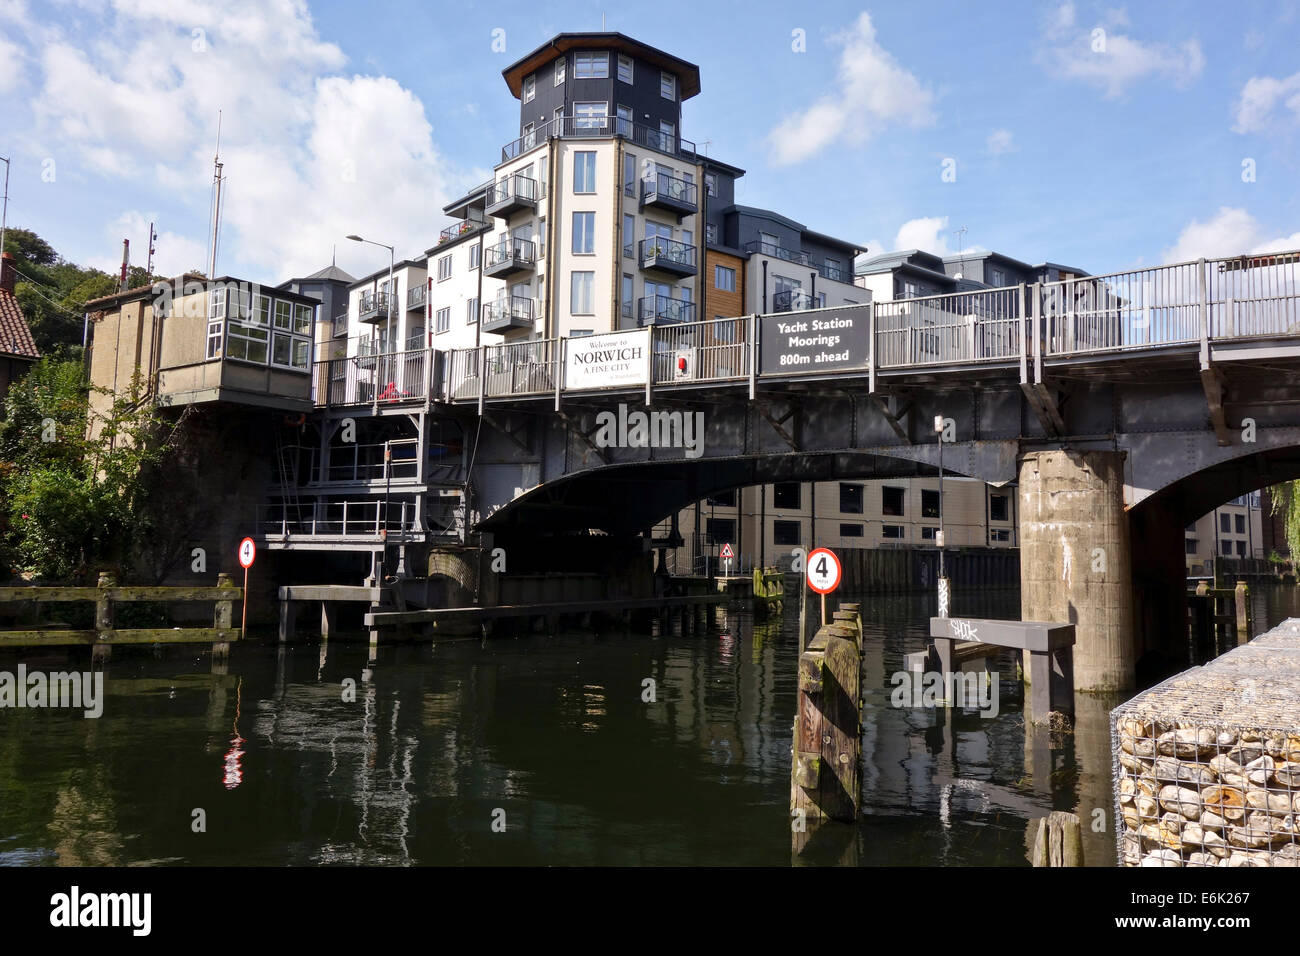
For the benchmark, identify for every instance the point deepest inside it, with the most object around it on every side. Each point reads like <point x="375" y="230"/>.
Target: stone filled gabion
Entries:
<point x="1207" y="764"/>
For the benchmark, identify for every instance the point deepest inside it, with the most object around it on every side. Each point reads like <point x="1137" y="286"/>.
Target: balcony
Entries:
<point x="511" y="312"/>
<point x="595" y="126"/>
<point x="416" y="296"/>
<point x="463" y="228"/>
<point x="339" y="325"/>
<point x="510" y="195"/>
<point x="664" y="310"/>
<point x="509" y="258"/>
<point x="669" y="193"/>
<point x="769" y="249"/>
<point x="835" y="273"/>
<point x="792" y="300"/>
<point x="668" y="256"/>
<point x="375" y="307"/>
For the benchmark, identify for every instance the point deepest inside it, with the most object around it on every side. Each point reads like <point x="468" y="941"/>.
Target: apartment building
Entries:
<point x="1233" y="530"/>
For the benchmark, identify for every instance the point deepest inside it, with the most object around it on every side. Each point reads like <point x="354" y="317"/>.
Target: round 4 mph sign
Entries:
<point x="824" y="571"/>
<point x="247" y="552"/>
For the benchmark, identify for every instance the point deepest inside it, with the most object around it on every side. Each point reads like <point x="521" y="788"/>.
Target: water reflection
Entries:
<point x="331" y="754"/>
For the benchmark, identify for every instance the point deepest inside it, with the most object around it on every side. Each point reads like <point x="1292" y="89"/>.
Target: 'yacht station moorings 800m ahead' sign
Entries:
<point x="816" y="341"/>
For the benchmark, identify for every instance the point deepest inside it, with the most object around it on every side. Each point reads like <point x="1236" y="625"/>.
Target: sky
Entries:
<point x="1098" y="136"/>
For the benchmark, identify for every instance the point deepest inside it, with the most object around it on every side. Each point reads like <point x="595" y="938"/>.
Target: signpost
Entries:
<point x="824" y="574"/>
<point x="247" y="554"/>
<point x="727" y="555"/>
<point x="604" y="361"/>
<point x="820" y="340"/>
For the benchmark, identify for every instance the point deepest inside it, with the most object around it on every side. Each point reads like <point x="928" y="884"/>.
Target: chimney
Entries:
<point x="7" y="273"/>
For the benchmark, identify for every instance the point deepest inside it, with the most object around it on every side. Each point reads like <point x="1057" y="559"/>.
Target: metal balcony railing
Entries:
<point x="376" y="305"/>
<point x="663" y="309"/>
<point x="792" y="300"/>
<point x="509" y="250"/>
<point x="416" y="296"/>
<point x="462" y="228"/>
<point x="835" y="273"/>
<point x="662" y="188"/>
<point x="516" y="186"/>
<point x="658" y="251"/>
<point x="509" y="307"/>
<point x="770" y="249"/>
<point x="589" y="126"/>
<point x="339" y="325"/>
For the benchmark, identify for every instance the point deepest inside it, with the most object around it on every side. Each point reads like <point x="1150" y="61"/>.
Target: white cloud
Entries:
<point x="310" y="154"/>
<point x="929" y="234"/>
<point x="12" y="66"/>
<point x="1103" y="57"/>
<point x="175" y="253"/>
<point x="873" y="90"/>
<point x="1260" y="96"/>
<point x="1000" y="142"/>
<point x="1228" y="232"/>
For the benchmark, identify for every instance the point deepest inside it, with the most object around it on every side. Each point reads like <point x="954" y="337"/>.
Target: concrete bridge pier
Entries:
<point x="1075" y="559"/>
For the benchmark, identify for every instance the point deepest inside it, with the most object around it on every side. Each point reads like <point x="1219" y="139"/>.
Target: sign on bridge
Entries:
<point x="822" y="340"/>
<point x="605" y="361"/>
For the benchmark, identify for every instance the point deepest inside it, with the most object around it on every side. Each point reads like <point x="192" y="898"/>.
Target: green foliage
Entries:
<point x="53" y="292"/>
<point x="1286" y="502"/>
<point x="73" y="494"/>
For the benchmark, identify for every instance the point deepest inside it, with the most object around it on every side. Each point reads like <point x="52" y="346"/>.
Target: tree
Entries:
<point x="29" y="248"/>
<point x="1286" y="502"/>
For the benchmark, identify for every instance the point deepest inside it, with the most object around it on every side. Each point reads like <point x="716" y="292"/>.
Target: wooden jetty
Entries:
<point x="106" y="596"/>
<point x="1219" y="618"/>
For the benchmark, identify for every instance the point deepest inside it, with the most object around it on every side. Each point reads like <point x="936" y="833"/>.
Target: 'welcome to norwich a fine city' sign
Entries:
<point x="820" y="341"/>
<point x="601" y="361"/>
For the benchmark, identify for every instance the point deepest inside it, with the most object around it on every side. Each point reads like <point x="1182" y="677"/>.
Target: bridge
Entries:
<point x="1123" y="405"/>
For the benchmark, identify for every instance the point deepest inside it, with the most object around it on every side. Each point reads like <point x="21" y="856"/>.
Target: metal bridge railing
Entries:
<point x="983" y="326"/>
<point x="713" y="350"/>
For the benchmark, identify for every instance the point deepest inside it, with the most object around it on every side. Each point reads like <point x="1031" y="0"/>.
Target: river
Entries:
<point x="531" y="750"/>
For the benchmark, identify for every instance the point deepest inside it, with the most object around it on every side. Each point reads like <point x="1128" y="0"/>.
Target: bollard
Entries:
<point x="223" y="615"/>
<point x="104" y="618"/>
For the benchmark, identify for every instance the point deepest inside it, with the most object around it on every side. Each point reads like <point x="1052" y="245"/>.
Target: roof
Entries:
<point x="798" y="227"/>
<point x="899" y="259"/>
<point x="104" y="303"/>
<point x="688" y="74"/>
<point x="331" y="273"/>
<point x="15" y="336"/>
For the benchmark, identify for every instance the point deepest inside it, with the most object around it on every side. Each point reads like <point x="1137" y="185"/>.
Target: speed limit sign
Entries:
<point x="823" y="571"/>
<point x="247" y="552"/>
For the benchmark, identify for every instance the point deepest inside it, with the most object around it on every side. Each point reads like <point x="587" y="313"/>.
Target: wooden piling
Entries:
<point x="1241" y="600"/>
<point x="329" y="614"/>
<point x="223" y="616"/>
<point x="826" y="764"/>
<point x="288" y="619"/>
<point x="1056" y="840"/>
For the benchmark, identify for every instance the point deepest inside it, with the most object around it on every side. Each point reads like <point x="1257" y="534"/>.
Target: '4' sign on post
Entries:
<point x="824" y="574"/>
<point x="247" y="554"/>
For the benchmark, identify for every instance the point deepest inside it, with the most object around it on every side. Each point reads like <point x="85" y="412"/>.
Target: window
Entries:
<point x="625" y="121"/>
<point x="444" y="320"/>
<point x="820" y="300"/>
<point x="216" y="321"/>
<point x="1241" y="549"/>
<point x="579" y="333"/>
<point x="891" y="501"/>
<point x="475" y="255"/>
<point x="1191" y="545"/>
<point x="997" y="278"/>
<point x="590" y="115"/>
<point x="929" y="503"/>
<point x="471" y="311"/>
<point x="283" y="315"/>
<point x="710" y="232"/>
<point x="724" y="499"/>
<point x="541" y="176"/>
<point x="559" y="72"/>
<point x="1000" y="534"/>
<point x="911" y="290"/>
<point x="584" y="172"/>
<point x="892" y="531"/>
<point x="541" y="239"/>
<point x="768" y="241"/>
<point x="530" y="87"/>
<point x="720" y="529"/>
<point x="624" y="68"/>
<point x="627" y="295"/>
<point x="833" y="267"/>
<point x="998" y="508"/>
<point x="1241" y="524"/>
<point x="851" y="499"/>
<point x="590" y="66"/>
<point x="584" y="233"/>
<point x="1226" y="547"/>
<point x="724" y="279"/>
<point x="629" y="174"/>
<point x="1192" y="526"/>
<point x="581" y="295"/>
<point x="785" y="532"/>
<point x="444" y="268"/>
<point x="710" y="184"/>
<point x="850" y="531"/>
<point x="787" y="494"/>
<point x="668" y="86"/>
<point x="629" y="234"/>
<point x="928" y="532"/>
<point x="1225" y="523"/>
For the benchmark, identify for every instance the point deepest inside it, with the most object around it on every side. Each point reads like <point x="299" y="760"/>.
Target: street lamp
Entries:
<point x="388" y="303"/>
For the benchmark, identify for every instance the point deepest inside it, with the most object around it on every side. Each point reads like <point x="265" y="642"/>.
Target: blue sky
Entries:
<point x="1095" y="135"/>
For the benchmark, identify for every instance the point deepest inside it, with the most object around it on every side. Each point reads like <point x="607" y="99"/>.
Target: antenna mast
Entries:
<point x="216" y="203"/>
<point x="152" y="238"/>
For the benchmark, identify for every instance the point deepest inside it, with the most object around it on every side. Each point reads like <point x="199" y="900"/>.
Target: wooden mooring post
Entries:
<point x="826" y="759"/>
<point x="1056" y="840"/>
